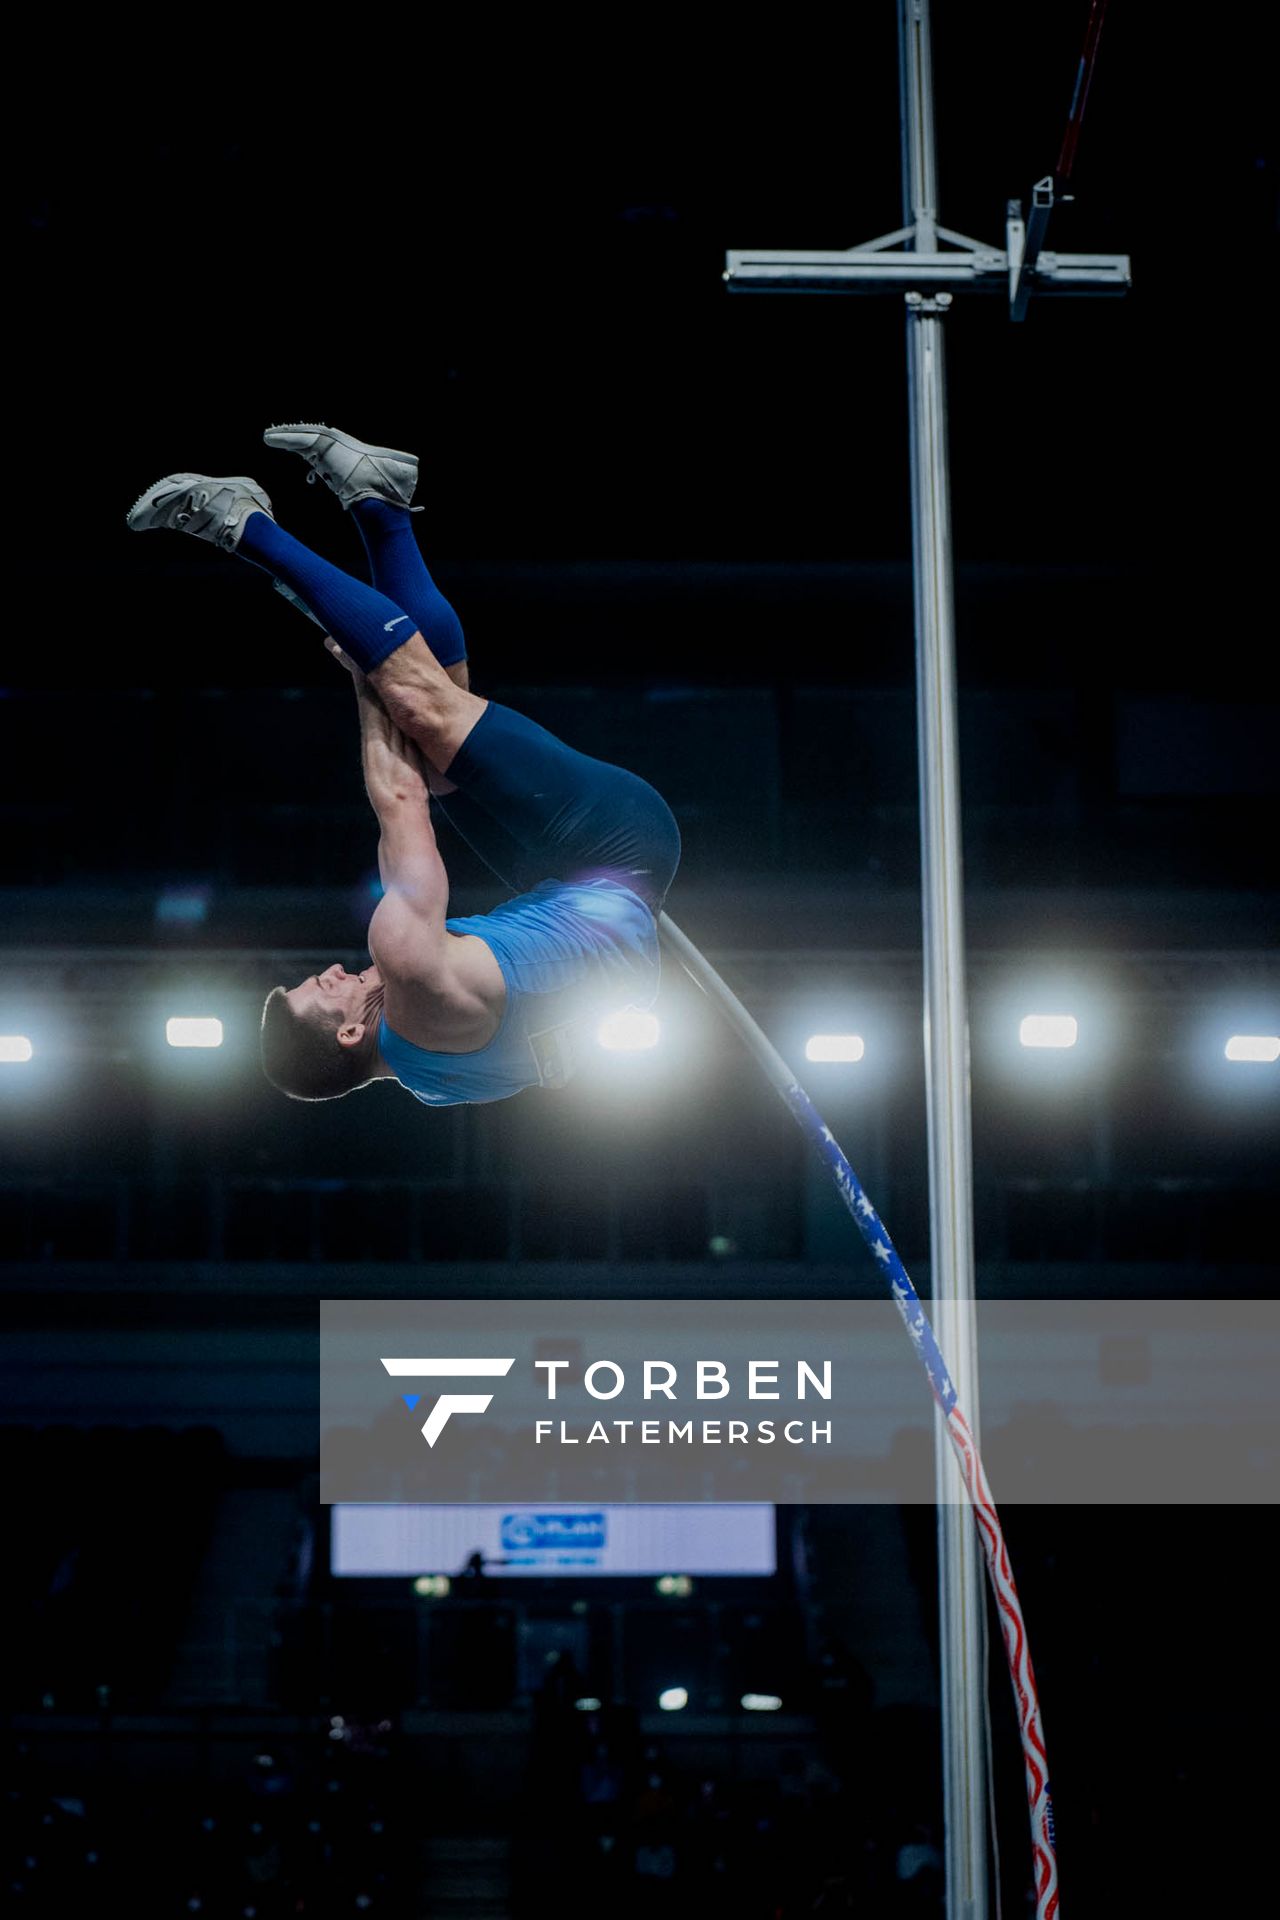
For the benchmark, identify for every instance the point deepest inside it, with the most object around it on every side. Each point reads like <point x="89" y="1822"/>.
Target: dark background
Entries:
<point x="676" y="526"/>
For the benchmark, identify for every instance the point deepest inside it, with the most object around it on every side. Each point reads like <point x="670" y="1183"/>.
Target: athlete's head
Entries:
<point x="320" y="1038"/>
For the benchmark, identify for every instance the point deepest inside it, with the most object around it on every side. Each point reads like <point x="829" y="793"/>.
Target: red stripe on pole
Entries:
<point x="1084" y="75"/>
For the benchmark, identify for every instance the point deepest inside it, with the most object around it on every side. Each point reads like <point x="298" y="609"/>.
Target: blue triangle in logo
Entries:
<point x="411" y="1400"/>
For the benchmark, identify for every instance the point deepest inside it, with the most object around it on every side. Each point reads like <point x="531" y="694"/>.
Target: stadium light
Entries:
<point x="1261" y="1047"/>
<point x="671" y="1699"/>
<point x="1049" y="1030"/>
<point x="15" y="1048"/>
<point x="1025" y="1016"/>
<point x="587" y="1704"/>
<point x="185" y="1032"/>
<point x="432" y="1586"/>
<point x="630" y="1031"/>
<point x="834" y="1047"/>
<point x="760" y="1702"/>
<point x="674" y="1586"/>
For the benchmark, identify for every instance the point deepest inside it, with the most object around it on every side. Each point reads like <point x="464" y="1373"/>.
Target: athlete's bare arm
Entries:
<point x="415" y="883"/>
<point x="441" y="990"/>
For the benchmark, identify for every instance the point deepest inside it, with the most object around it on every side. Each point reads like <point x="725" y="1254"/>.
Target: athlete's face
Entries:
<point x="342" y="1000"/>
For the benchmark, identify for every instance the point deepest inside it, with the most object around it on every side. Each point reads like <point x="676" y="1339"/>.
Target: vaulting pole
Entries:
<point x="958" y="1433"/>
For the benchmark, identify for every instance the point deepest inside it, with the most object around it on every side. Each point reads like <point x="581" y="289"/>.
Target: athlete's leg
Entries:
<point x="552" y="812"/>
<point x="571" y="816"/>
<point x="376" y="484"/>
<point x="427" y="705"/>
<point x="234" y="513"/>
<point x="367" y="624"/>
<point x="398" y="569"/>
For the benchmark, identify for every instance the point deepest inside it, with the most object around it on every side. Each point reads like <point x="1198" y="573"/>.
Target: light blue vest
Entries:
<point x="569" y="953"/>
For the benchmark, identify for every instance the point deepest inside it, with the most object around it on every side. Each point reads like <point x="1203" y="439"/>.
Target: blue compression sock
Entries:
<point x="365" y="623"/>
<point x="400" y="572"/>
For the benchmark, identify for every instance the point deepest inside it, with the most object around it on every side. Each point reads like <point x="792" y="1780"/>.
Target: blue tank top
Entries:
<point x="569" y="954"/>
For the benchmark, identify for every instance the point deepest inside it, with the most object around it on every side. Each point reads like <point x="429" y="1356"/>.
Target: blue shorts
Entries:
<point x="535" y="809"/>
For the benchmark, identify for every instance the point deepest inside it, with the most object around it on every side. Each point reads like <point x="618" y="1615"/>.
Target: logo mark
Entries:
<point x="388" y="624"/>
<point x="448" y="1403"/>
<point x="547" y="1532"/>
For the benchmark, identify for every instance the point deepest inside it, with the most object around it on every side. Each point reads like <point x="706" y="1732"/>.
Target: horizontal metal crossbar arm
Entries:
<point x="860" y="271"/>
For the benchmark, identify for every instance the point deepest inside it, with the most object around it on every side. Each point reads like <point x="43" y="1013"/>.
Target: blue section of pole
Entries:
<point x="874" y="1232"/>
<point x="820" y="1137"/>
<point x="868" y="1222"/>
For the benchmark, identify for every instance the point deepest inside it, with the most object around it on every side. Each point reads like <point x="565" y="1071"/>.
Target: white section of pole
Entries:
<point x="961" y="1591"/>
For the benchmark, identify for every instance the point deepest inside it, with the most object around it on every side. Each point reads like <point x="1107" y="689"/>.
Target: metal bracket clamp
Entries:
<point x="929" y="302"/>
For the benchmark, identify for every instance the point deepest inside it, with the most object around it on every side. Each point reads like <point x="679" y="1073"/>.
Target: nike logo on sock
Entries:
<point x="394" y="623"/>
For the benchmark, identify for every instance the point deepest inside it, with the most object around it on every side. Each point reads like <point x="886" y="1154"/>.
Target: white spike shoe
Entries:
<point x="212" y="509"/>
<point x="351" y="468"/>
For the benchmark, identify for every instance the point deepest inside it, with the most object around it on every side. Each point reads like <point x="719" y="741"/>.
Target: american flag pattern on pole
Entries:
<point x="916" y="1321"/>
<point x="1012" y="1627"/>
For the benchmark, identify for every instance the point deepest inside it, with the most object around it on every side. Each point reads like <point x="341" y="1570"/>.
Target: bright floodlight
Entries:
<point x="193" y="1033"/>
<point x="587" y="1704"/>
<point x="834" y="1046"/>
<point x="631" y="1031"/>
<point x="671" y="1699"/>
<point x="1049" y="1030"/>
<point x="761" y="1702"/>
<point x="14" y="1047"/>
<point x="1253" y="1046"/>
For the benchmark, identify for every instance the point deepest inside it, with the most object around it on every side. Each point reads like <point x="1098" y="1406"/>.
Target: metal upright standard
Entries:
<point x="930" y="263"/>
<point x="961" y="1597"/>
